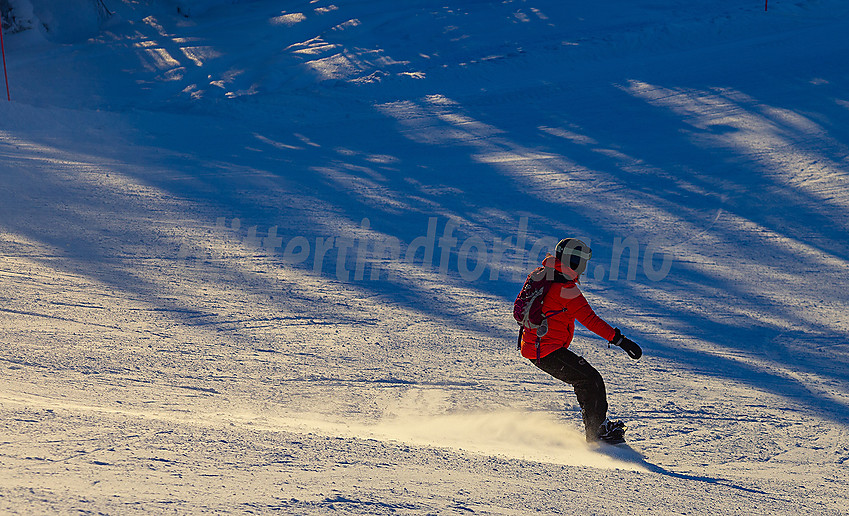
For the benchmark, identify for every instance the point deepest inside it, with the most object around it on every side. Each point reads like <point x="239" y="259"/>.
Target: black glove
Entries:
<point x="630" y="347"/>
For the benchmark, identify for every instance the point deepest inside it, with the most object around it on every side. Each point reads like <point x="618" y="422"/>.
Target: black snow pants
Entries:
<point x="589" y="386"/>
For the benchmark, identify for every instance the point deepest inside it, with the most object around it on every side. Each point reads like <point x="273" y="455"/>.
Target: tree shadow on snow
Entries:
<point x="681" y="161"/>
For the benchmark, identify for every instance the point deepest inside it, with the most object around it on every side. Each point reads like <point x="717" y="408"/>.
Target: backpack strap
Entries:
<point x="545" y="317"/>
<point x="536" y="343"/>
<point x="537" y="346"/>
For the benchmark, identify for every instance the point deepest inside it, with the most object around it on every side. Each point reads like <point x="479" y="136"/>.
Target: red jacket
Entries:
<point x="561" y="325"/>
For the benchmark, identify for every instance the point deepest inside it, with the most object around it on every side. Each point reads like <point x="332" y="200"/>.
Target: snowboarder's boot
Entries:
<point x="612" y="432"/>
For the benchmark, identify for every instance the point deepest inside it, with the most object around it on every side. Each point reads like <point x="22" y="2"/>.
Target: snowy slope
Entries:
<point x="228" y="281"/>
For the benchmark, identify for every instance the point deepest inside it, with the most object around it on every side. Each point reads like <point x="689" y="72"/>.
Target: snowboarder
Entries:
<point x="547" y="346"/>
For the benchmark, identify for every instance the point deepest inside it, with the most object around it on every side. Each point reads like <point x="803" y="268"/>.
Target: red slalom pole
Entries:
<point x="766" y="5"/>
<point x="3" y="51"/>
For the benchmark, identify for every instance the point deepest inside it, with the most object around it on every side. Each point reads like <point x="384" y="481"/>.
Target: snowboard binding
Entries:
<point x="611" y="432"/>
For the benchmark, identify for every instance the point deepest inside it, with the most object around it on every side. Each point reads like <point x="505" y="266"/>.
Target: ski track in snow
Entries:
<point x="164" y="347"/>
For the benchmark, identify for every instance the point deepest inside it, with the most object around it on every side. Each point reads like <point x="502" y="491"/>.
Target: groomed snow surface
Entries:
<point x="259" y="256"/>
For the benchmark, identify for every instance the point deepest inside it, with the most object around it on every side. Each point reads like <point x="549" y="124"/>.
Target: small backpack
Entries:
<point x="527" y="309"/>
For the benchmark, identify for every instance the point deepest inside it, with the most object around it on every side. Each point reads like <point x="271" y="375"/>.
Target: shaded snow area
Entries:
<point x="258" y="260"/>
